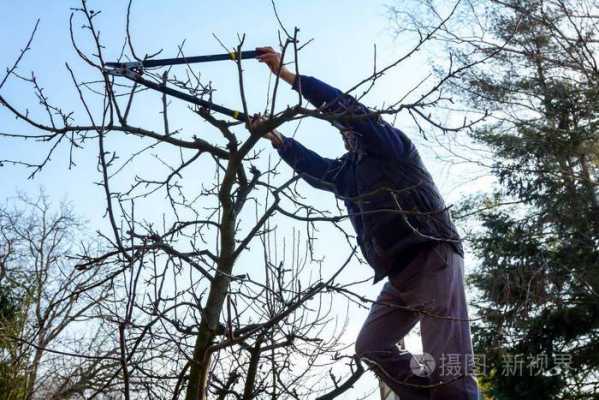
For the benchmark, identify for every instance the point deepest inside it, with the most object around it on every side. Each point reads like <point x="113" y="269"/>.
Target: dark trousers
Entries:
<point x="431" y="290"/>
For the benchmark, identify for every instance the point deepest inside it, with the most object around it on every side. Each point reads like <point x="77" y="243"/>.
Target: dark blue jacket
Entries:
<point x="392" y="201"/>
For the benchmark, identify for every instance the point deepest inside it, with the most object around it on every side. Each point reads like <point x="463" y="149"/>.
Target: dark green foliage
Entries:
<point x="12" y="378"/>
<point x="7" y="305"/>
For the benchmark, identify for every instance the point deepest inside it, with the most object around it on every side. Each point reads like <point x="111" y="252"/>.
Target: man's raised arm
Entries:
<point x="375" y="135"/>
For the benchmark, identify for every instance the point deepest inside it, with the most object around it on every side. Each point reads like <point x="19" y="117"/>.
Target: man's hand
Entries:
<point x="275" y="137"/>
<point x="273" y="60"/>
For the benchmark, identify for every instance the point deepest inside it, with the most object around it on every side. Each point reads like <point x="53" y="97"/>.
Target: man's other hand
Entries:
<point x="275" y="137"/>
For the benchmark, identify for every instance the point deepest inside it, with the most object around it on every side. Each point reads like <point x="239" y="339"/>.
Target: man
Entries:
<point x="405" y="233"/>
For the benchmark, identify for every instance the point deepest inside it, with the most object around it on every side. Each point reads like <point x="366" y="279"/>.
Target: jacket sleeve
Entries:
<point x="318" y="171"/>
<point x="375" y="135"/>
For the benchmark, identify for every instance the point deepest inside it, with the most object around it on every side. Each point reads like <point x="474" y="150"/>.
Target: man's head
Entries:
<point x="348" y="134"/>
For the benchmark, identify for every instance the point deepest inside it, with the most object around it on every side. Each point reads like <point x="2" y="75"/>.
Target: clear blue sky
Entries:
<point x="342" y="54"/>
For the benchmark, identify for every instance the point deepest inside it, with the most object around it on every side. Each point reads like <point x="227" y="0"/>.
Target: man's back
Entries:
<point x="392" y="201"/>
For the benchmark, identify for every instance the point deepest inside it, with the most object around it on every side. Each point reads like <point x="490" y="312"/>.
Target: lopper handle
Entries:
<point x="185" y="60"/>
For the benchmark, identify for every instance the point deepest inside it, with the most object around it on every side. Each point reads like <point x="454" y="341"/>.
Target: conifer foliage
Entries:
<point x="538" y="281"/>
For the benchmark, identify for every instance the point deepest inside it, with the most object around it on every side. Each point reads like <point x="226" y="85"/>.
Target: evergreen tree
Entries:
<point x="538" y="278"/>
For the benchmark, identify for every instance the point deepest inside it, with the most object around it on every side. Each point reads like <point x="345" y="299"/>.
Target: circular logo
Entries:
<point x="422" y="365"/>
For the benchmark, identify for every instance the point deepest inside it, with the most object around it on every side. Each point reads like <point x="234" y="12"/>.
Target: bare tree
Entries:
<point x="38" y="269"/>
